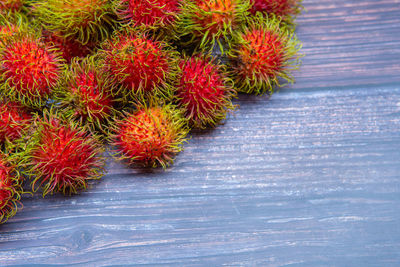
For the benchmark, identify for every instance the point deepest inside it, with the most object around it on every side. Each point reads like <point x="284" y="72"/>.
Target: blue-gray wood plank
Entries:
<point x="309" y="177"/>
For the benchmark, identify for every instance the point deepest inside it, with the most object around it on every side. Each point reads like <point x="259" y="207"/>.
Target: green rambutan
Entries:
<point x="10" y="189"/>
<point x="285" y="9"/>
<point x="205" y="23"/>
<point x="151" y="136"/>
<point x="84" y="20"/>
<point x="140" y="63"/>
<point x="203" y="91"/>
<point x="264" y="55"/>
<point x="148" y="13"/>
<point x="85" y="94"/>
<point x="60" y="156"/>
<point x="14" y="120"/>
<point x="29" y="70"/>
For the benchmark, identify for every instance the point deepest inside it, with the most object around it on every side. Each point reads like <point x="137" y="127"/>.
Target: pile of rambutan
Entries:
<point x="84" y="79"/>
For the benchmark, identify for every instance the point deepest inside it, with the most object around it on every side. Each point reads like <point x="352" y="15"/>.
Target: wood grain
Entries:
<point x="309" y="177"/>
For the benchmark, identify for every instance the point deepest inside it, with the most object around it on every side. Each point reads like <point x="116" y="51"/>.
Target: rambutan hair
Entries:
<point x="10" y="189"/>
<point x="60" y="156"/>
<point x="153" y="14"/>
<point x="206" y="23"/>
<point x="29" y="70"/>
<point x="10" y="6"/>
<point x="86" y="93"/>
<point x="264" y="56"/>
<point x="204" y="91"/>
<point x="84" y="20"/>
<point x="14" y="120"/>
<point x="151" y="136"/>
<point x="12" y="24"/>
<point x="140" y="63"/>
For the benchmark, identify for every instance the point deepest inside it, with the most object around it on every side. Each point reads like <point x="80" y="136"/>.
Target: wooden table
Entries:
<point x="309" y="177"/>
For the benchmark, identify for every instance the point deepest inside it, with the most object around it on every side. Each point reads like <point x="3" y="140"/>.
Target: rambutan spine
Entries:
<point x="151" y="136"/>
<point x="59" y="155"/>
<point x="264" y="55"/>
<point x="204" y="91"/>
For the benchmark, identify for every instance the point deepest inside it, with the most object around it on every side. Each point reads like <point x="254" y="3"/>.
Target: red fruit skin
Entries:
<point x="203" y="92"/>
<point x="30" y="69"/>
<point x="151" y="136"/>
<point x="138" y="63"/>
<point x="148" y="12"/>
<point x="69" y="47"/>
<point x="97" y="103"/>
<point x="264" y="55"/>
<point x="144" y="136"/>
<point x="14" y="119"/>
<point x="281" y="8"/>
<point x="9" y="191"/>
<point x="63" y="158"/>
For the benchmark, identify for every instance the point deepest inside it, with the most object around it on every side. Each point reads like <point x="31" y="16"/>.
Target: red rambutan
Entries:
<point x="148" y="13"/>
<point x="140" y="63"/>
<point x="84" y="20"/>
<point x="29" y="70"/>
<point x="10" y="190"/>
<point x="207" y="22"/>
<point x="151" y="136"/>
<point x="281" y="8"/>
<point x="86" y="93"/>
<point x="69" y="47"/>
<point x="14" y="120"/>
<point x="61" y="156"/>
<point x="203" y="91"/>
<point x="265" y="54"/>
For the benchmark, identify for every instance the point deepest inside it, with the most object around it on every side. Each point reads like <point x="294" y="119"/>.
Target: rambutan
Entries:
<point x="204" y="91"/>
<point x="69" y="47"/>
<point x="149" y="13"/>
<point x="61" y="156"/>
<point x="86" y="95"/>
<point x="14" y="120"/>
<point x="264" y="56"/>
<point x="286" y="9"/>
<point x="84" y="20"/>
<point x="29" y="70"/>
<point x="10" y="189"/>
<point x="205" y="23"/>
<point x="139" y="62"/>
<point x="151" y="136"/>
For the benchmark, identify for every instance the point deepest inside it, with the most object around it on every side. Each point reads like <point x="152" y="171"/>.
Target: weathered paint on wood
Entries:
<point x="309" y="177"/>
